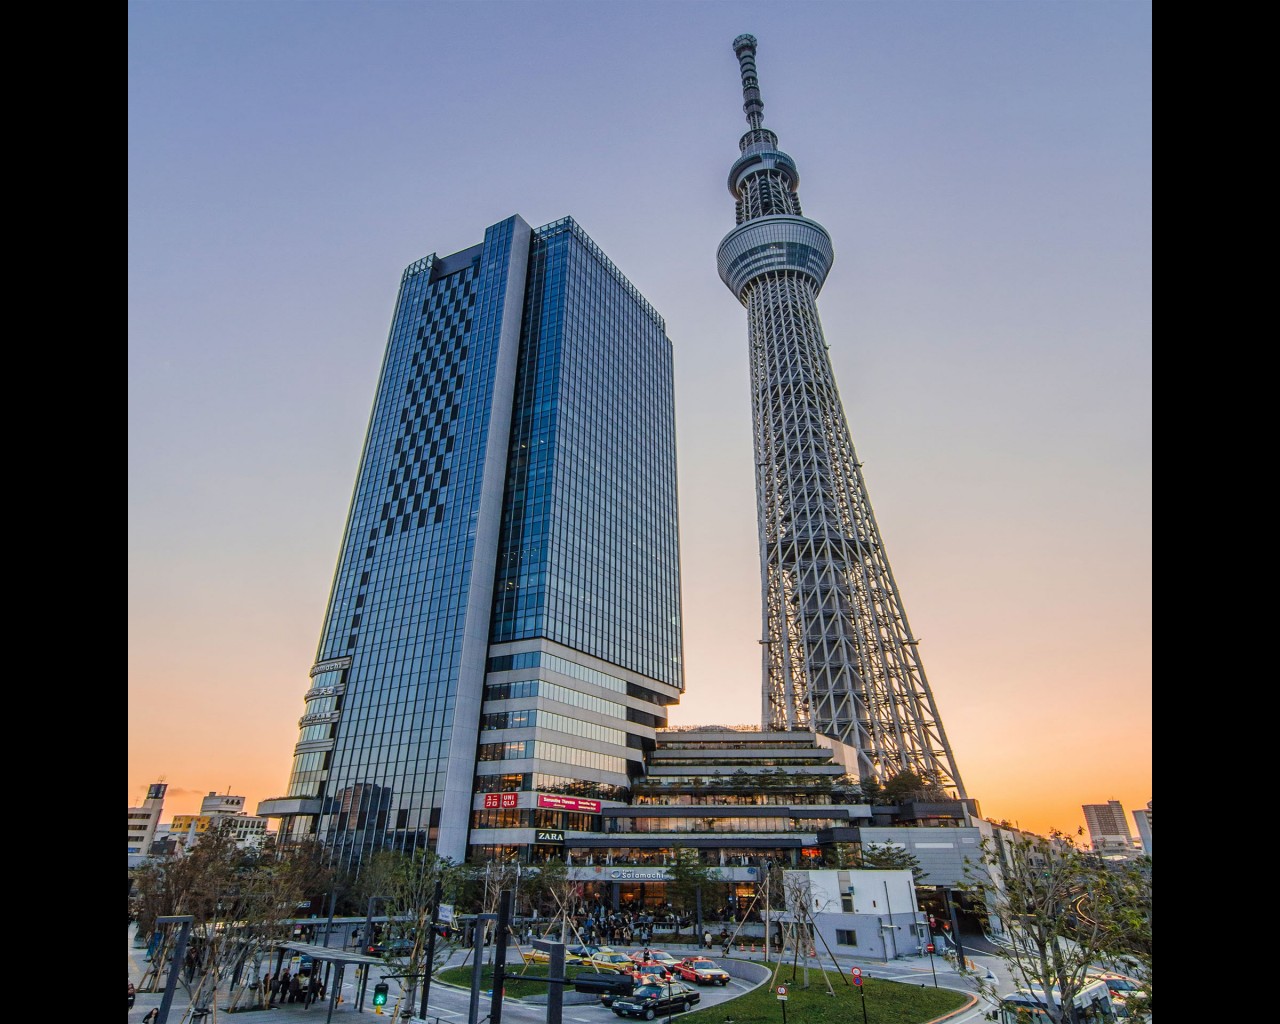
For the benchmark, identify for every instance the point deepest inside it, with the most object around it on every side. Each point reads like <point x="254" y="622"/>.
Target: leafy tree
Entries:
<point x="887" y="856"/>
<point x="408" y="883"/>
<point x="871" y="790"/>
<point x="685" y="877"/>
<point x="840" y="855"/>
<point x="1128" y="902"/>
<point x="1062" y="912"/>
<point x="909" y="785"/>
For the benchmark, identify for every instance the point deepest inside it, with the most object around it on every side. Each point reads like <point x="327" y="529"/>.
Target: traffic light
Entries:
<point x="380" y="991"/>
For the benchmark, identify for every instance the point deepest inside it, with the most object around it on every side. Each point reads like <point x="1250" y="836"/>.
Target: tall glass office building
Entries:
<point x="503" y="634"/>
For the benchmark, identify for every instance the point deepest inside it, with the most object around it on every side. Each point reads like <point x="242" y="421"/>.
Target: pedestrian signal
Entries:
<point x="380" y="991"/>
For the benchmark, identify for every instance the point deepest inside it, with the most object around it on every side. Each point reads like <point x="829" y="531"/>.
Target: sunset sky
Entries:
<point x="984" y="170"/>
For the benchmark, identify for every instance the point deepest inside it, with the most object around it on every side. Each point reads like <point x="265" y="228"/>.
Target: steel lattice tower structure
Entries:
<point x="838" y="654"/>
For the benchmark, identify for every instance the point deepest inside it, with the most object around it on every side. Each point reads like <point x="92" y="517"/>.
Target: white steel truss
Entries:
<point x="838" y="653"/>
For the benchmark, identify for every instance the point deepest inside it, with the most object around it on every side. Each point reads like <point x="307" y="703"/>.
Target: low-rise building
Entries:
<point x="220" y="810"/>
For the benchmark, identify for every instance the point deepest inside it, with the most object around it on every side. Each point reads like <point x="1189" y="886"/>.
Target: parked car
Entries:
<point x="572" y="955"/>
<point x="651" y="969"/>
<point x="391" y="947"/>
<point x="608" y="985"/>
<point x="582" y="952"/>
<point x="702" y="971"/>
<point x="649" y="1001"/>
<point x="1122" y="990"/>
<point x="660" y="955"/>
<point x="618" y="962"/>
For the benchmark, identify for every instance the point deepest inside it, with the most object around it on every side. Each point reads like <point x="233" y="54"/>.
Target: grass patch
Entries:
<point x="515" y="987"/>
<point x="887" y="1002"/>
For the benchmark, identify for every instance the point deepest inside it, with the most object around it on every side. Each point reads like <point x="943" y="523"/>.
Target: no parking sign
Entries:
<point x="857" y="975"/>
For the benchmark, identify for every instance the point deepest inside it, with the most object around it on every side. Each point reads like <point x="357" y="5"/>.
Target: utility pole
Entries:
<point x="328" y="928"/>
<point x="768" y="881"/>
<point x="431" y="945"/>
<point x="473" y="1010"/>
<point x="500" y="956"/>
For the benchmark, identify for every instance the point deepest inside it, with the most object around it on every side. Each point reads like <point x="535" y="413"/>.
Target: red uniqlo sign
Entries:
<point x="501" y="799"/>
<point x="569" y="803"/>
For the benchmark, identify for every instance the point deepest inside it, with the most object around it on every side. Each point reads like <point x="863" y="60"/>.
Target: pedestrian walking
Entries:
<point x="706" y="938"/>
<point x="152" y="1016"/>
<point x="133" y="994"/>
<point x="274" y="991"/>
<point x="313" y="989"/>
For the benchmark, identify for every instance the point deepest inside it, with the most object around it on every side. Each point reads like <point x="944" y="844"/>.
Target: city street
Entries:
<point x="449" y="1004"/>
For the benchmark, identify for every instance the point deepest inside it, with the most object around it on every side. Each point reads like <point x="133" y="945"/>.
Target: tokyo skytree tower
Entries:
<point x="838" y="653"/>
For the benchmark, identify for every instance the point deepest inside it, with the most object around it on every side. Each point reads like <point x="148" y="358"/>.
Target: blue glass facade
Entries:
<point x="515" y="503"/>
<point x="589" y="555"/>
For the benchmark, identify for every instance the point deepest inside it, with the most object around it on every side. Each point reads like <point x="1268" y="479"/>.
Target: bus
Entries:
<point x="1027" y="1005"/>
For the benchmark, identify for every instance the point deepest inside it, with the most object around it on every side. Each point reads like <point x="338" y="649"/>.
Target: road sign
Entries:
<point x="782" y="992"/>
<point x="445" y="914"/>
<point x="857" y="981"/>
<point x="929" y="948"/>
<point x="856" y="971"/>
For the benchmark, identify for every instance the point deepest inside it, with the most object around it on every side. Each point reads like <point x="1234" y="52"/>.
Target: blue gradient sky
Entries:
<point x="984" y="169"/>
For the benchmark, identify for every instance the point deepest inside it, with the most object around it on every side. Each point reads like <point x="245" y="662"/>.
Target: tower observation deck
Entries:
<point x="838" y="654"/>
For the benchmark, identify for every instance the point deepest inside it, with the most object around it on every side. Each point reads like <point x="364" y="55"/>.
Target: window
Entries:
<point x="846" y="902"/>
<point x="846" y="937"/>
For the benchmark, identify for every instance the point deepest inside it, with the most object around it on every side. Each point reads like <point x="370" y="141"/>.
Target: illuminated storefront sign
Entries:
<point x="567" y="803"/>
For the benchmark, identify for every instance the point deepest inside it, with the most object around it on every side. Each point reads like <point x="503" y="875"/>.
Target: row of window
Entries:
<point x="556" y="692"/>
<point x="530" y="718"/>
<point x="513" y="782"/>
<point x="717" y="824"/>
<point x="535" y="817"/>
<point x="550" y="752"/>
<point x="731" y="799"/>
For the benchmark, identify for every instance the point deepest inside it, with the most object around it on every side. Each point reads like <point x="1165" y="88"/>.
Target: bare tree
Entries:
<point x="241" y="902"/>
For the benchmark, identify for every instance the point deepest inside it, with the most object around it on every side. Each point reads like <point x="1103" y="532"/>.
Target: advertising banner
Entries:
<point x="568" y="803"/>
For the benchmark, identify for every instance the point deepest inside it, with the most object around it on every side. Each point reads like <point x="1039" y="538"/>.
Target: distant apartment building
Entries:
<point x="1108" y="828"/>
<point x="1143" y="820"/>
<point x="144" y="819"/>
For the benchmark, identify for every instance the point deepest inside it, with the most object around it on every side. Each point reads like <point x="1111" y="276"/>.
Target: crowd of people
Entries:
<point x="300" y="987"/>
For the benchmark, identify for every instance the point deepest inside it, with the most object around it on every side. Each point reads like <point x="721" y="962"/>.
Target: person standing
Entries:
<point x="295" y="989"/>
<point x="706" y="938"/>
<point x="152" y="1016"/>
<point x="133" y="994"/>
